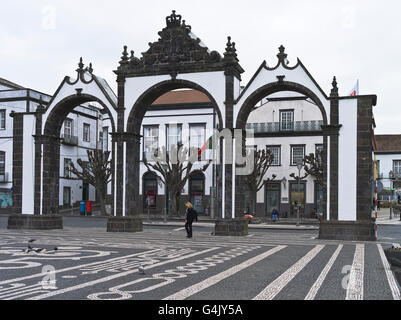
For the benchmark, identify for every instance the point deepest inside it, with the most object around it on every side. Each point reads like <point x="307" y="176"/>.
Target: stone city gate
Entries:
<point x="178" y="59"/>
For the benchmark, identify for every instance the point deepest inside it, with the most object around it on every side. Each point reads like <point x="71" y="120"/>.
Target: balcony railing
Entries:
<point x="276" y="127"/>
<point x="4" y="177"/>
<point x="69" y="140"/>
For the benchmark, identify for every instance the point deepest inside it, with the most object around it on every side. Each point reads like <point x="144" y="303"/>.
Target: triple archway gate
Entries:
<point x="180" y="60"/>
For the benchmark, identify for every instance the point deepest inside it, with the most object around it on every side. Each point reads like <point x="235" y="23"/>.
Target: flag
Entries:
<point x="355" y="90"/>
<point x="208" y="145"/>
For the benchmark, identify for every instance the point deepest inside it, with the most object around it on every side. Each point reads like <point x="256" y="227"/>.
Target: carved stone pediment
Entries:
<point x="177" y="50"/>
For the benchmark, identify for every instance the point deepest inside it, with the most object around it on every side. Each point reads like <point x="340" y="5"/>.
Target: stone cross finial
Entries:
<point x="81" y="64"/>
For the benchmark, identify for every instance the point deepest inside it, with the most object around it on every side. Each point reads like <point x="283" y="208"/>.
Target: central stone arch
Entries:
<point x="177" y="60"/>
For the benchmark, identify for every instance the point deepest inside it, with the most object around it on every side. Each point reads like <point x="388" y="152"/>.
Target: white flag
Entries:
<point x="355" y="90"/>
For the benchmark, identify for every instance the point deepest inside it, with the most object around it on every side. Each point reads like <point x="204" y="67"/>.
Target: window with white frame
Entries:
<point x="68" y="128"/>
<point x="2" y="166"/>
<point x="2" y="119"/>
<point x="197" y="138"/>
<point x="86" y="132"/>
<point x="276" y="152"/>
<point x="397" y="167"/>
<point x="174" y="135"/>
<point x="67" y="165"/>
<point x="105" y="138"/>
<point x="318" y="152"/>
<point x="297" y="154"/>
<point x="150" y="141"/>
<point x="286" y="120"/>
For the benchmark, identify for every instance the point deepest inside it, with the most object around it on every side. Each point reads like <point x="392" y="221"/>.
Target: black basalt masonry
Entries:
<point x="120" y="146"/>
<point x="51" y="174"/>
<point x="334" y="121"/>
<point x="38" y="160"/>
<point x="364" y="158"/>
<point x="363" y="229"/>
<point x="18" y="128"/>
<point x="229" y="104"/>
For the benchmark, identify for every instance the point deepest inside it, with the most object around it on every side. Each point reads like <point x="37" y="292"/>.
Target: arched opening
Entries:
<point x="287" y="119"/>
<point x="83" y="135"/>
<point x="162" y="118"/>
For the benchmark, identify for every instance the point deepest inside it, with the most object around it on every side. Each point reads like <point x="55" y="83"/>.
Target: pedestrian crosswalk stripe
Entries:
<point x="390" y="277"/>
<point x="355" y="284"/>
<point x="277" y="285"/>
<point x="316" y="286"/>
<point x="187" y="292"/>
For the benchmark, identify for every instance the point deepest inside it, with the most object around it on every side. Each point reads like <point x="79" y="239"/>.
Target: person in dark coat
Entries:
<point x="274" y="214"/>
<point x="190" y="216"/>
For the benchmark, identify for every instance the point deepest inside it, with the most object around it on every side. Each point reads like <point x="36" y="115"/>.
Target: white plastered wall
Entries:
<point x="347" y="160"/>
<point x="28" y="168"/>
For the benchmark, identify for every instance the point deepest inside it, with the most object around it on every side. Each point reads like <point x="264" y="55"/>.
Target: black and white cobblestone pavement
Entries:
<point x="267" y="264"/>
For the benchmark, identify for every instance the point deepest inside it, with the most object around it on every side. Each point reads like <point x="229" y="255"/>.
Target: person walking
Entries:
<point x="190" y="216"/>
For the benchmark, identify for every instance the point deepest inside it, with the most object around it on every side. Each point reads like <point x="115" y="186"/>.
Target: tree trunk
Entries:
<point x="102" y="199"/>
<point x="254" y="203"/>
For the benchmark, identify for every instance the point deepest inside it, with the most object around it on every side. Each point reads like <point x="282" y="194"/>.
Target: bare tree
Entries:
<point x="174" y="169"/>
<point x="312" y="167"/>
<point x="96" y="172"/>
<point x="256" y="180"/>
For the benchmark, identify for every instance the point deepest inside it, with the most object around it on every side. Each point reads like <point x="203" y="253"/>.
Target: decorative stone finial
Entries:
<point x="124" y="57"/>
<point x="334" y="89"/>
<point x="80" y="64"/>
<point x="282" y="56"/>
<point x="230" y="48"/>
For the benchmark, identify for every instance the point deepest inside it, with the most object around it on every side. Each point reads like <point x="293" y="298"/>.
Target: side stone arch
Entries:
<point x="246" y="108"/>
<point x="48" y="199"/>
<point x="270" y="88"/>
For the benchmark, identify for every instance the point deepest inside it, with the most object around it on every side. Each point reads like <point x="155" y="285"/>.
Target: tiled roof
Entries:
<point x="10" y="84"/>
<point x="388" y="143"/>
<point x="181" y="97"/>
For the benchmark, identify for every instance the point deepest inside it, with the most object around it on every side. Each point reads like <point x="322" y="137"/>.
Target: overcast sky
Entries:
<point x="41" y="41"/>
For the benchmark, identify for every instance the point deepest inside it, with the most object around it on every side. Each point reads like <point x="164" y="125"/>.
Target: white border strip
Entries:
<point x="274" y="288"/>
<point x="390" y="276"/>
<point x="185" y="293"/>
<point x="355" y="284"/>
<point x="316" y="286"/>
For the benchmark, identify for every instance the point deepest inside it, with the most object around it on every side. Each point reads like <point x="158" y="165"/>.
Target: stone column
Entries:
<point x="50" y="219"/>
<point x="18" y="151"/>
<point x="229" y="226"/>
<point x="132" y="221"/>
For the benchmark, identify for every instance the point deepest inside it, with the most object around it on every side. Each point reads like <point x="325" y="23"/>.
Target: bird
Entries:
<point x="141" y="269"/>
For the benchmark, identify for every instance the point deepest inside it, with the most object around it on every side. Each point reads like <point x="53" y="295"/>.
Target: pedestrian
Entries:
<point x="275" y="214"/>
<point x="190" y="216"/>
<point x="378" y="204"/>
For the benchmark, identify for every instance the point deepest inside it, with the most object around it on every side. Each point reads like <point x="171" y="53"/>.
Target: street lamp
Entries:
<point x="391" y="176"/>
<point x="165" y="166"/>
<point x="299" y="167"/>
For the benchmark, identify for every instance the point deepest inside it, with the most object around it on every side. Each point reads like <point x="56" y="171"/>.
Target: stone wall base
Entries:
<point x="347" y="230"/>
<point x="124" y="224"/>
<point x="231" y="227"/>
<point x="35" y="222"/>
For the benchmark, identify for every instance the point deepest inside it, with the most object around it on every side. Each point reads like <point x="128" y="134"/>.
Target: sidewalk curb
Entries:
<point x="250" y="226"/>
